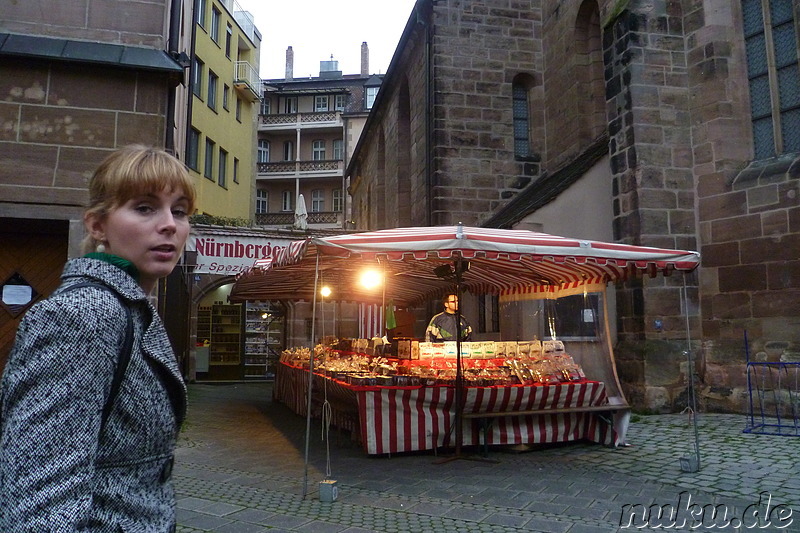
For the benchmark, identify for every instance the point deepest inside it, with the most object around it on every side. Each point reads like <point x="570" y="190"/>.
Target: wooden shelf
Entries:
<point x="263" y="338"/>
<point x="226" y="335"/>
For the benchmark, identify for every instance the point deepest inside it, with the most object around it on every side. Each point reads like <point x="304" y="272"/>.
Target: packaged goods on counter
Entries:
<point x="410" y="363"/>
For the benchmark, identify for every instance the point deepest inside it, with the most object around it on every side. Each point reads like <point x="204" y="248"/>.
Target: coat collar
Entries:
<point x="105" y="273"/>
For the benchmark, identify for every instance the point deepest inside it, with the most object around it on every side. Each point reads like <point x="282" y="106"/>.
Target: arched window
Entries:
<point x="520" y="89"/>
<point x="770" y="31"/>
<point x="588" y="73"/>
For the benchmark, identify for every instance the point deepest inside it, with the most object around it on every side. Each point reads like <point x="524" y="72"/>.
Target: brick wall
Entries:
<point x="64" y="122"/>
<point x="751" y="274"/>
<point x="676" y="114"/>
<point x="479" y="47"/>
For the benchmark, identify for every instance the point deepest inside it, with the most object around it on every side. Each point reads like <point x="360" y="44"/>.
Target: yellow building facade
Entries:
<point x="224" y="102"/>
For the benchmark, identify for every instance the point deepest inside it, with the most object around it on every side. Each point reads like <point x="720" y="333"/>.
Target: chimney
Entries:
<point x="289" y="64"/>
<point x="364" y="59"/>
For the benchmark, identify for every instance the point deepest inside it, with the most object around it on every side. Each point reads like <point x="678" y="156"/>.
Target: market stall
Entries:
<point x="503" y="391"/>
<point x="394" y="419"/>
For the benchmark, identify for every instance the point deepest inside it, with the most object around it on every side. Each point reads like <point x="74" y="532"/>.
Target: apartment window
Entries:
<point x="372" y="93"/>
<point x="770" y="31"/>
<point x="212" y="90"/>
<point x="228" y="38"/>
<point x="290" y="105"/>
<point x="263" y="151"/>
<point x="318" y="150"/>
<point x="266" y="105"/>
<point x="338" y="149"/>
<point x="262" y="201"/>
<point x="338" y="200"/>
<point x="193" y="148"/>
<point x="320" y="103"/>
<point x="209" y="167"/>
<point x="286" y="201"/>
<point x="215" y="18"/>
<point x="223" y="168"/>
<point x="340" y="102"/>
<point x="522" y="143"/>
<point x="317" y="200"/>
<point x="226" y="93"/>
<point x="238" y="109"/>
<point x="235" y="170"/>
<point x="201" y="12"/>
<point x="197" y="77"/>
<point x="288" y="151"/>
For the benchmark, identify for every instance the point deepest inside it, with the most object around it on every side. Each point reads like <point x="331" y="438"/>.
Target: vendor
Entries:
<point x="442" y="327"/>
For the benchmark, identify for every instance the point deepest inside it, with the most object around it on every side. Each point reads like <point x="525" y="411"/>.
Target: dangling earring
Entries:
<point x="101" y="248"/>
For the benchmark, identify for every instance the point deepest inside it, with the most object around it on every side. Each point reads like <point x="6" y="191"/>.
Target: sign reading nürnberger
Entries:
<point x="230" y="255"/>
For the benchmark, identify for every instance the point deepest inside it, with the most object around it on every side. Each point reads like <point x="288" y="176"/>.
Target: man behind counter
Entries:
<point x="442" y="327"/>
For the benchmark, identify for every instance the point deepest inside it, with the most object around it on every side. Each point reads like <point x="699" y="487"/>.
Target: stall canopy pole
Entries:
<point x="310" y="377"/>
<point x="384" y="333"/>
<point x="691" y="403"/>
<point x="459" y="369"/>
<point x="459" y="267"/>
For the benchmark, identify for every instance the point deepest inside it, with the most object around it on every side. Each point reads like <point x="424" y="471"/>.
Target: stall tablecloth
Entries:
<point x="404" y="419"/>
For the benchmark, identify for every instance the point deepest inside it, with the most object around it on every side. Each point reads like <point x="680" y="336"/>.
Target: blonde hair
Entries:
<point x="132" y="171"/>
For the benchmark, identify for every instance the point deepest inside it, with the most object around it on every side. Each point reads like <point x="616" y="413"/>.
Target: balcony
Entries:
<point x="327" y="218"/>
<point x="246" y="81"/>
<point x="310" y="169"/>
<point x="321" y="119"/>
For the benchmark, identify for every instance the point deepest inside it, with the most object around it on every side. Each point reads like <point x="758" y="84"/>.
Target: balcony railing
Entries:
<point x="246" y="80"/>
<point x="298" y="120"/>
<point x="243" y="18"/>
<point x="300" y="167"/>
<point x="287" y="219"/>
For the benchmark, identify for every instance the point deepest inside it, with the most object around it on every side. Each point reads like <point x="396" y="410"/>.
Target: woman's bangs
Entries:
<point x="154" y="174"/>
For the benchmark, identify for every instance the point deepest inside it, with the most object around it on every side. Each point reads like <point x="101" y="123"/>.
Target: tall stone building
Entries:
<point x="77" y="80"/>
<point x="669" y="123"/>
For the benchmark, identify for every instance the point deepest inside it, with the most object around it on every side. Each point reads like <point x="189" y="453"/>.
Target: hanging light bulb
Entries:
<point x="371" y="279"/>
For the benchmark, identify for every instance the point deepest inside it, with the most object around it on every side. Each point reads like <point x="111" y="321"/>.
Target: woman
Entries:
<point x="64" y="465"/>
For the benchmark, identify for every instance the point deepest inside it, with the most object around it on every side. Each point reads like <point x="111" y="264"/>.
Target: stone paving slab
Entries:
<point x="240" y="467"/>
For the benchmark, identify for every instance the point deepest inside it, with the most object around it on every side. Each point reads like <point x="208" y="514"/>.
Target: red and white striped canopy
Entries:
<point x="505" y="262"/>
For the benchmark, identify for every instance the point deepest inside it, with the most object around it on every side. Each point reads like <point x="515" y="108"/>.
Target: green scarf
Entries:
<point x="117" y="261"/>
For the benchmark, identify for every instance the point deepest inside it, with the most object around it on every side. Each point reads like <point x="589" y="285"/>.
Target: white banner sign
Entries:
<point x="230" y="255"/>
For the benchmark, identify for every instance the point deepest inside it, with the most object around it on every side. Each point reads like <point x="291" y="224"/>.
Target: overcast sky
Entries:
<point x="317" y="29"/>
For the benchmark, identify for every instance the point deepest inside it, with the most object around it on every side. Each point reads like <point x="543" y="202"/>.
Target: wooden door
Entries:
<point x="35" y="252"/>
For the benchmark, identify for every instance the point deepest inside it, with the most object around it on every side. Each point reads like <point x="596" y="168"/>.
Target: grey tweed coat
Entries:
<point x="58" y="471"/>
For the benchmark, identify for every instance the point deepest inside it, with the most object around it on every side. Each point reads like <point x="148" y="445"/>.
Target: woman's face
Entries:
<point x="149" y="230"/>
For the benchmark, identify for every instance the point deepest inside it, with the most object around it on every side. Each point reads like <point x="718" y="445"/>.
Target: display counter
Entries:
<point x="393" y="419"/>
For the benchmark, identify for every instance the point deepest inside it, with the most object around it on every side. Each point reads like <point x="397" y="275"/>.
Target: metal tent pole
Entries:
<point x="310" y="379"/>
<point x="692" y="397"/>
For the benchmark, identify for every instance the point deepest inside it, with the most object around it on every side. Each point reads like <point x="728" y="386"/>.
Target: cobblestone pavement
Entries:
<point x="240" y="469"/>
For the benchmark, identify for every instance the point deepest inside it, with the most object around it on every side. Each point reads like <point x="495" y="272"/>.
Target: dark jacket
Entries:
<point x="58" y="471"/>
<point x="443" y="327"/>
